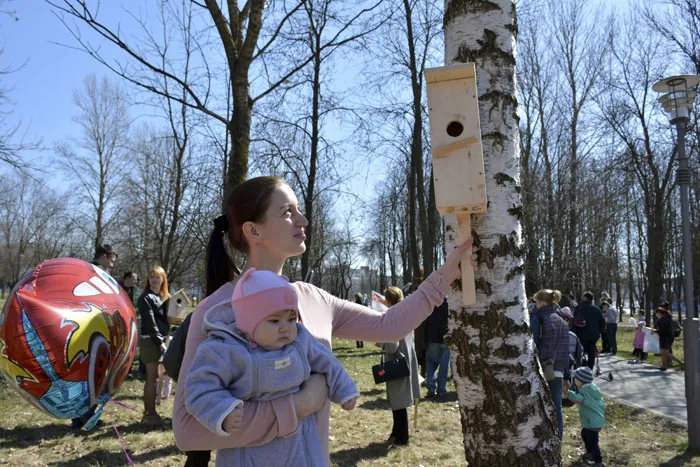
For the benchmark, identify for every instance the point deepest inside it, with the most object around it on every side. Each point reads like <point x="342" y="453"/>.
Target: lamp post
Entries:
<point x="677" y="100"/>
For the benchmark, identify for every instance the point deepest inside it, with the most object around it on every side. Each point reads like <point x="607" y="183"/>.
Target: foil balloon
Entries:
<point x="68" y="336"/>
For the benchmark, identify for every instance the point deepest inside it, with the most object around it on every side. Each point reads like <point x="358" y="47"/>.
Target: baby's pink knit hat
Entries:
<point x="257" y="295"/>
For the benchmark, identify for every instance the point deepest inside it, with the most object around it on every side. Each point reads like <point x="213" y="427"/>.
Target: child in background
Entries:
<point x="591" y="412"/>
<point x="638" y="343"/>
<point x="165" y="382"/>
<point x="257" y="350"/>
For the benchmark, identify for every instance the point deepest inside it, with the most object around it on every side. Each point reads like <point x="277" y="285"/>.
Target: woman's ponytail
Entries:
<point x="219" y="267"/>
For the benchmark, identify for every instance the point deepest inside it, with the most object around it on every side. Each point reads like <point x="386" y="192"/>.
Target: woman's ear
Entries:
<point x="251" y="233"/>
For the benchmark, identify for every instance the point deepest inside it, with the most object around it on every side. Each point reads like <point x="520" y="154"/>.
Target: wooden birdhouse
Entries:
<point x="177" y="307"/>
<point x="458" y="159"/>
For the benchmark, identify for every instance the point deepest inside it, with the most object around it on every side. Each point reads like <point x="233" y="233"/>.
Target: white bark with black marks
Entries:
<point x="506" y="411"/>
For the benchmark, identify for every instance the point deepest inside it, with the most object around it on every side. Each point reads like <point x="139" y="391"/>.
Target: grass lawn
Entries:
<point x="28" y="437"/>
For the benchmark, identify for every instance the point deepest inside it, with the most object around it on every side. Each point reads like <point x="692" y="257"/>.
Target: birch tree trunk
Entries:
<point x="505" y="406"/>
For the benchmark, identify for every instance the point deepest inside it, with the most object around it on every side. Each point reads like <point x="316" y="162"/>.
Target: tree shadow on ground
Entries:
<point x="376" y="404"/>
<point x="104" y="457"/>
<point x="351" y="457"/>
<point x="133" y="397"/>
<point x="374" y="392"/>
<point x="136" y="427"/>
<point x="25" y="436"/>
<point x="685" y="458"/>
<point x="355" y="354"/>
<point x="449" y="397"/>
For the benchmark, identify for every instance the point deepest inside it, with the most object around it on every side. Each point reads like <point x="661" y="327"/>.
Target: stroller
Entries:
<point x="597" y="371"/>
<point x="596" y="367"/>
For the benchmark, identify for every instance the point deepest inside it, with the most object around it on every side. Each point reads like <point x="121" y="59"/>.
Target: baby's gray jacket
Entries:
<point x="227" y="371"/>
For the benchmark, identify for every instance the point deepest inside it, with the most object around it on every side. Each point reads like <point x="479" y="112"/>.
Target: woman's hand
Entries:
<point x="312" y="396"/>
<point x="450" y="269"/>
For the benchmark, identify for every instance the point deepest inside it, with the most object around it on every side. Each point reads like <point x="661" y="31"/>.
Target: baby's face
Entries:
<point x="276" y="330"/>
<point x="578" y="383"/>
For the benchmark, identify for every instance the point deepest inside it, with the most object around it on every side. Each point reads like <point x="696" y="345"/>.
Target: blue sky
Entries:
<point x="42" y="90"/>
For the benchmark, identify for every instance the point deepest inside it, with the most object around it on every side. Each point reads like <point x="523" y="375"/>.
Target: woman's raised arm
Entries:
<point x="357" y="322"/>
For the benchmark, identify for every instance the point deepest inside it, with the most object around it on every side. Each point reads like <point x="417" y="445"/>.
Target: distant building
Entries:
<point x="363" y="280"/>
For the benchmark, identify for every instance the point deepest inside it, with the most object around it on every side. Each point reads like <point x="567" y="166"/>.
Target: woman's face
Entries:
<point x="155" y="281"/>
<point x="281" y="233"/>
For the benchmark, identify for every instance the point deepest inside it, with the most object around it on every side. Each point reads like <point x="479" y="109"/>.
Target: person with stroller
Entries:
<point x="551" y="336"/>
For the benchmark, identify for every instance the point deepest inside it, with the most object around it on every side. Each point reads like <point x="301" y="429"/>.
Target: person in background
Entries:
<point x="164" y="385"/>
<point x="551" y="336"/>
<point x="437" y="354"/>
<point x="664" y="327"/>
<point x="128" y="283"/>
<point x="531" y="305"/>
<point x="610" y="325"/>
<point x="105" y="257"/>
<point x="589" y="333"/>
<point x="591" y="412"/>
<point x="572" y="303"/>
<point x="400" y="392"/>
<point x="359" y="299"/>
<point x="153" y="343"/>
<point x="638" y="343"/>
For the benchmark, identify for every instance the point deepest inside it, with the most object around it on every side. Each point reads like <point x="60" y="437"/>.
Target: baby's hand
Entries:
<point x="233" y="421"/>
<point x="566" y="386"/>
<point x="349" y="404"/>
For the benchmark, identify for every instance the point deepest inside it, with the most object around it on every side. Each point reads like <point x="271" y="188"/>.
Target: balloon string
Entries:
<point x="114" y="425"/>
<point x="122" y="405"/>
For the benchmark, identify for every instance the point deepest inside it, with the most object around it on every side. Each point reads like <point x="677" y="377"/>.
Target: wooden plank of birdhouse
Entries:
<point x="449" y="148"/>
<point x="450" y="72"/>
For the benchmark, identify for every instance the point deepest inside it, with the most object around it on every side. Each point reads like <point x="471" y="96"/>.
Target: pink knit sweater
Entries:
<point x="324" y="316"/>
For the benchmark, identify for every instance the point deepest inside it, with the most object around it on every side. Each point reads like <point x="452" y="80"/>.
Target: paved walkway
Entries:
<point x="662" y="392"/>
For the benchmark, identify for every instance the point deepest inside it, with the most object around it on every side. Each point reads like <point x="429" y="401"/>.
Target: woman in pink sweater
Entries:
<point x="264" y="222"/>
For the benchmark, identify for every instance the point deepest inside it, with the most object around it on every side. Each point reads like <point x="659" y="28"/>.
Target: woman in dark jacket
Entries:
<point x="664" y="326"/>
<point x="154" y="331"/>
<point x="551" y="336"/>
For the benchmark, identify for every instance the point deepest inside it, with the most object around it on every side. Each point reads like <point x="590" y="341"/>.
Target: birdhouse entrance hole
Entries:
<point x="455" y="129"/>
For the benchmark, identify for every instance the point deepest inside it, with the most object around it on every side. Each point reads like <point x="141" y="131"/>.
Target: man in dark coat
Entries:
<point x="595" y="323"/>
<point x="128" y="283"/>
<point x="437" y="354"/>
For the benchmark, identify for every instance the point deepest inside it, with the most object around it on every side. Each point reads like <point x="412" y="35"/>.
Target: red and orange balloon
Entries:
<point x="68" y="337"/>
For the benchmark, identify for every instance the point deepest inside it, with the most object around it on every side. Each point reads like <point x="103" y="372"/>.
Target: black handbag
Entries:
<point x="391" y="369"/>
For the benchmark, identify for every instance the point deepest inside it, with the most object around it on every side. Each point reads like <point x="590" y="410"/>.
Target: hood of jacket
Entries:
<point x="221" y="321"/>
